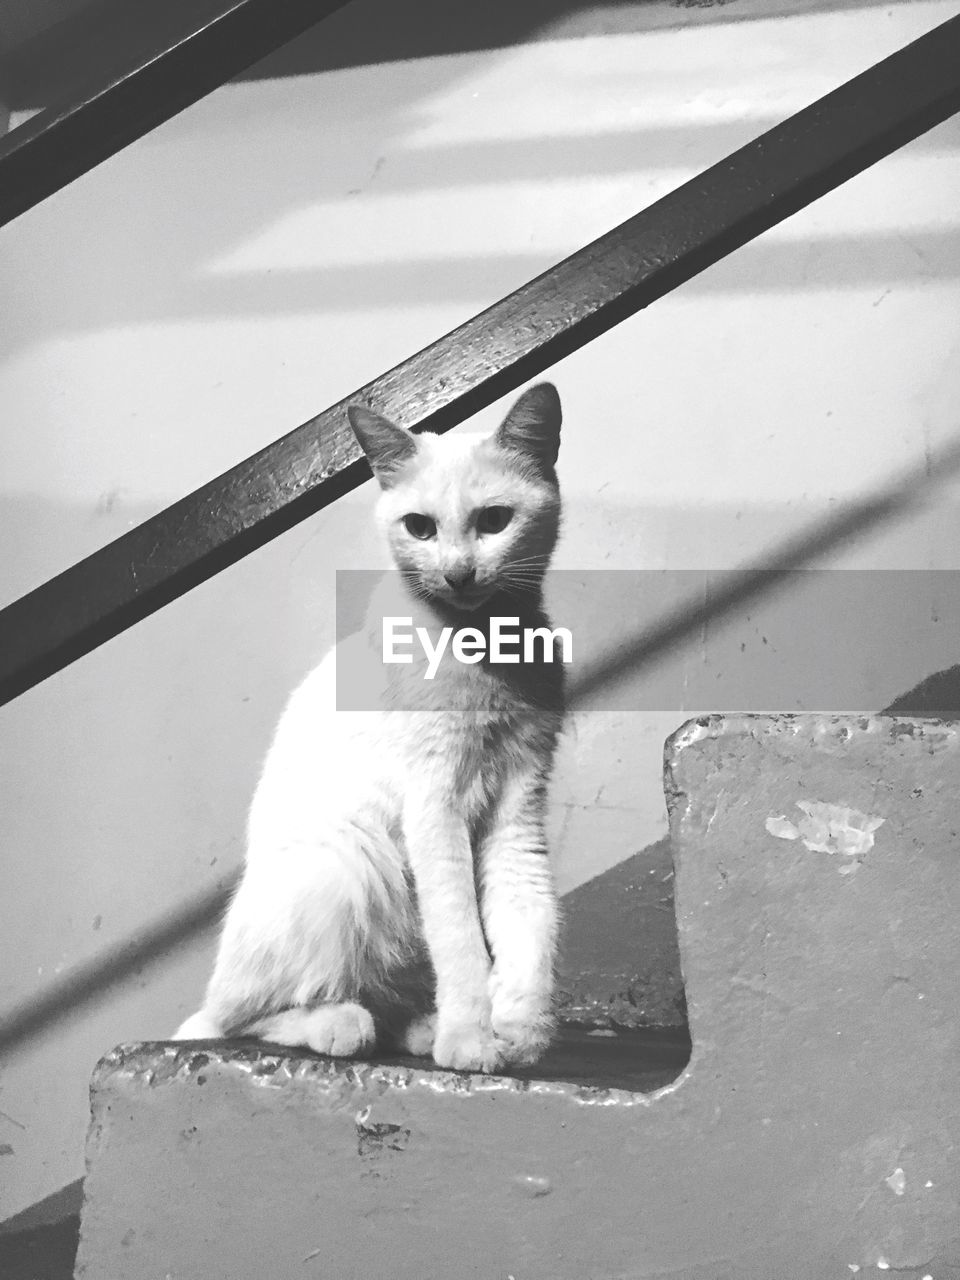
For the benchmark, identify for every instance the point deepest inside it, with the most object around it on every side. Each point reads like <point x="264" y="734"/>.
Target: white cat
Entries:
<point x="379" y="839"/>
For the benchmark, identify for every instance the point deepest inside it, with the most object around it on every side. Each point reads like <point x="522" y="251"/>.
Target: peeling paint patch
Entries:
<point x="897" y="1182"/>
<point x="832" y="828"/>
<point x="781" y="827"/>
<point x="533" y="1186"/>
<point x="828" y="828"/>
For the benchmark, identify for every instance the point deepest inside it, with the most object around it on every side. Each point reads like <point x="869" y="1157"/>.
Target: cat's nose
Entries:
<point x="458" y="578"/>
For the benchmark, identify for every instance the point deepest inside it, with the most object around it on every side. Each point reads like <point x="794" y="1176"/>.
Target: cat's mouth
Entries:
<point x="466" y="599"/>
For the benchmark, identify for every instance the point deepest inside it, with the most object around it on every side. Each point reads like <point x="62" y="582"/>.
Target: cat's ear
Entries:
<point x="532" y="427"/>
<point x="387" y="446"/>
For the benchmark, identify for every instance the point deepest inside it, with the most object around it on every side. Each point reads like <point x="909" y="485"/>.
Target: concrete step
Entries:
<point x="814" y="1133"/>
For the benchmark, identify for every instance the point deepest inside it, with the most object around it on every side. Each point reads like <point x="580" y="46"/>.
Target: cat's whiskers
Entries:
<point x="523" y="593"/>
<point x="540" y="561"/>
<point x="522" y="577"/>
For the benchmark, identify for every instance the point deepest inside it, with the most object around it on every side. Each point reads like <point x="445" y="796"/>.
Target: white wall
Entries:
<point x="281" y="243"/>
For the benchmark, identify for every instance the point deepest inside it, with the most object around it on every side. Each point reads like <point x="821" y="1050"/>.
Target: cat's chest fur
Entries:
<point x="470" y="726"/>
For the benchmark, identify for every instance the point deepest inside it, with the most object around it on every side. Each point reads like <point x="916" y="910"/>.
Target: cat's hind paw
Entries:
<point x="340" y="1030"/>
<point x="199" y="1026"/>
<point x="419" y="1035"/>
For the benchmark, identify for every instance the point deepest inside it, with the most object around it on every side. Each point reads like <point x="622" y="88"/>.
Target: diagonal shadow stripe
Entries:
<point x="884" y="262"/>
<point x="740" y="589"/>
<point x="97" y="977"/>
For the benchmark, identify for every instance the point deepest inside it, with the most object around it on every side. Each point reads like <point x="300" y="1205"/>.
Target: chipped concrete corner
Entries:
<point x="813" y="1135"/>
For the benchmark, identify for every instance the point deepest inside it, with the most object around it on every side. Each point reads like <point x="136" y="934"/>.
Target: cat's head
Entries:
<point x="468" y="516"/>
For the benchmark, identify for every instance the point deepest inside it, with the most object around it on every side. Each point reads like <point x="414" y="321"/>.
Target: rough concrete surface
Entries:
<point x="619" y="964"/>
<point x="813" y="1135"/>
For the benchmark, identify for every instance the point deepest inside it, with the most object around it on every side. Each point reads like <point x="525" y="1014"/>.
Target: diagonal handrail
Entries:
<point x="59" y="144"/>
<point x="490" y="355"/>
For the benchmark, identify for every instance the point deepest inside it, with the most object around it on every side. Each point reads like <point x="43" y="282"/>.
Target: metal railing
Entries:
<point x="490" y="355"/>
<point x="170" y="73"/>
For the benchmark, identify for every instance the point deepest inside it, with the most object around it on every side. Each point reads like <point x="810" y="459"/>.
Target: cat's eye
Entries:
<point x="419" y="526"/>
<point x="494" y="519"/>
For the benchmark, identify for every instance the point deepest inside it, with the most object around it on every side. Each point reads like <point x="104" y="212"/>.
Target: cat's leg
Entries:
<point x="308" y="930"/>
<point x="438" y="848"/>
<point x="520" y="918"/>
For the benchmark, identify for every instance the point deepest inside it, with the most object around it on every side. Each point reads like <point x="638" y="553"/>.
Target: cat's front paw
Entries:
<point x="523" y="1043"/>
<point x="523" y="1025"/>
<point x="466" y="1047"/>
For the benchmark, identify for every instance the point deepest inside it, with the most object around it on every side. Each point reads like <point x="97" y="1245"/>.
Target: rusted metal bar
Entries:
<point x="487" y="357"/>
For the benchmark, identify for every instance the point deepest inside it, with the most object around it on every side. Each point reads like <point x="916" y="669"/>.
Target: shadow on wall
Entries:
<point x="44" y="60"/>
<point x="117" y="282"/>
<point x="936" y="698"/>
<point x="176" y="265"/>
<point x="739" y="589"/>
<point x="854" y="261"/>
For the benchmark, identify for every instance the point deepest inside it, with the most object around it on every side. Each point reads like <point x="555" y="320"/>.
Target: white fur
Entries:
<point x="375" y="835"/>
